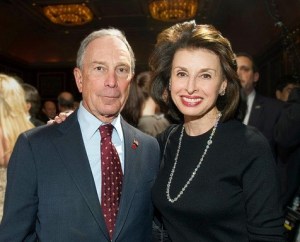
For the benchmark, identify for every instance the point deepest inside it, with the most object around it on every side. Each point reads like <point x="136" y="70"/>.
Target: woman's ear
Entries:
<point x="222" y="90"/>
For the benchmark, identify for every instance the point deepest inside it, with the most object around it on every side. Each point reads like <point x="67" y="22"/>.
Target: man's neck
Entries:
<point x="252" y="92"/>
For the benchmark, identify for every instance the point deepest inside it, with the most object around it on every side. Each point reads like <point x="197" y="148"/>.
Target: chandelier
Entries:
<point x="68" y="14"/>
<point x="173" y="10"/>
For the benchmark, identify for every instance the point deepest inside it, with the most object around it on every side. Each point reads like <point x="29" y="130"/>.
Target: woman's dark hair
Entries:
<point x="189" y="35"/>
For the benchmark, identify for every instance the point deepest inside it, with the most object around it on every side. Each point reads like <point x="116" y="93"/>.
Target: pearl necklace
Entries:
<point x="209" y="142"/>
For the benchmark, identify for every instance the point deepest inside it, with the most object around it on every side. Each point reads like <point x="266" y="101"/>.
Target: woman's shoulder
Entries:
<point x="166" y="134"/>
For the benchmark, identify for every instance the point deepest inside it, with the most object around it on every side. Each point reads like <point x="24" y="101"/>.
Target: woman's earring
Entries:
<point x="169" y="85"/>
<point x="222" y="93"/>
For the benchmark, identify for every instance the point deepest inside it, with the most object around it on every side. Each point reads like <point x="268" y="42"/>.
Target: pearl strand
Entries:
<point x="209" y="142"/>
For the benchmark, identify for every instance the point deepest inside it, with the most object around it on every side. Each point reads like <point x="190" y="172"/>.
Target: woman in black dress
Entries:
<point x="218" y="179"/>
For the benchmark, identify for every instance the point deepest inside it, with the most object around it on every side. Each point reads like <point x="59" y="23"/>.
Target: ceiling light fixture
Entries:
<point x="173" y="10"/>
<point x="68" y="14"/>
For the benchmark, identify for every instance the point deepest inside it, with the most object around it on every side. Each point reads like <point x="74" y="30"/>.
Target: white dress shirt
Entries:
<point x="89" y="126"/>
<point x="250" y="100"/>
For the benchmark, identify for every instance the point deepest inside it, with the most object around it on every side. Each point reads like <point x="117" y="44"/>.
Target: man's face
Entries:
<point x="49" y="109"/>
<point x="247" y="76"/>
<point x="284" y="94"/>
<point x="104" y="78"/>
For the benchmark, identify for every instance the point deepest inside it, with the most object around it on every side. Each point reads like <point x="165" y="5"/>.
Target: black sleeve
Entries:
<point x="287" y="129"/>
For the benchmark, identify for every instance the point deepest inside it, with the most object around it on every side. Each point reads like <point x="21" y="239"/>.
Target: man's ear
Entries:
<point x="78" y="78"/>
<point x="256" y="77"/>
<point x="278" y="94"/>
<point x="28" y="106"/>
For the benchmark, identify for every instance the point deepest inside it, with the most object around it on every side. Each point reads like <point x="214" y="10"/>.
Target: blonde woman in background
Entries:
<point x="13" y="121"/>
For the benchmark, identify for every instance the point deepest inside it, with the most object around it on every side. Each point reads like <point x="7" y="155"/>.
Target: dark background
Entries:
<point x="43" y="54"/>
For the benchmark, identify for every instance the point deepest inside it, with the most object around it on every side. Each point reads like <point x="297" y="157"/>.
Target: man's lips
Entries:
<point x="111" y="96"/>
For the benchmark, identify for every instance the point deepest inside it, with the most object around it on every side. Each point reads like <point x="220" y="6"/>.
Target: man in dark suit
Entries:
<point x="55" y="177"/>
<point x="285" y="86"/>
<point x="33" y="102"/>
<point x="287" y="134"/>
<point x="262" y="112"/>
<point x="65" y="102"/>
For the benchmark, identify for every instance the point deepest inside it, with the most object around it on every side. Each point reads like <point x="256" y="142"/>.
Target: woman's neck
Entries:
<point x="201" y="125"/>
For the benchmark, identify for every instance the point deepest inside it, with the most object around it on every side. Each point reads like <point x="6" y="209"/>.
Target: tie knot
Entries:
<point x="106" y="130"/>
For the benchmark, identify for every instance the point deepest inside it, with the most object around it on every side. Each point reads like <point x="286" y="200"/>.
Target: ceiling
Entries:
<point x="28" y="37"/>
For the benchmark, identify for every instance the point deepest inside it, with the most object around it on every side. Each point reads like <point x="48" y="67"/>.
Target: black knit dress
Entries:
<point x="234" y="196"/>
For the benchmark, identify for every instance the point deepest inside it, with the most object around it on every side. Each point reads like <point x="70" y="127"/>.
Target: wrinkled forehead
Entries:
<point x="108" y="47"/>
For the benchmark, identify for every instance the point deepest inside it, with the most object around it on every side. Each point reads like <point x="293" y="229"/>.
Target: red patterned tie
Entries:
<point x="111" y="178"/>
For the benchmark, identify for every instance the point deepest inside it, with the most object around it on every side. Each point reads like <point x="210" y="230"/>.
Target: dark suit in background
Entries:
<point x="264" y="111"/>
<point x="54" y="195"/>
<point x="287" y="134"/>
<point x="264" y="115"/>
<point x="36" y="122"/>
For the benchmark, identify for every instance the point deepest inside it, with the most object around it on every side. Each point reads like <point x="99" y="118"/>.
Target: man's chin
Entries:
<point x="108" y="116"/>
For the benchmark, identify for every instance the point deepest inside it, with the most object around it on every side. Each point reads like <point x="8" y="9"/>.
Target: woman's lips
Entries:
<point x="191" y="101"/>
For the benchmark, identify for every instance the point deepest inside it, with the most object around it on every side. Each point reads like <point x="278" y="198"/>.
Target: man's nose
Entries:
<point x="111" y="79"/>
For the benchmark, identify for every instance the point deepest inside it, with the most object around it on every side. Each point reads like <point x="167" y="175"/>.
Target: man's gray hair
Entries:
<point x="99" y="34"/>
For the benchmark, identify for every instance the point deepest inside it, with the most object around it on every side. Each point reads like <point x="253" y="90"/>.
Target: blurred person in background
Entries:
<point x="262" y="112"/>
<point x="141" y="110"/>
<point x="152" y="121"/>
<point x="289" y="155"/>
<point x="131" y="111"/>
<point x="48" y="111"/>
<point x="287" y="135"/>
<point x="33" y="101"/>
<point x="13" y="121"/>
<point x="65" y="102"/>
<point x="285" y="86"/>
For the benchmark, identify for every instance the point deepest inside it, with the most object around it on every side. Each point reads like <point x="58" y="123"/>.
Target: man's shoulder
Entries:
<point x="269" y="101"/>
<point x="54" y="129"/>
<point x="36" y="122"/>
<point x="136" y="132"/>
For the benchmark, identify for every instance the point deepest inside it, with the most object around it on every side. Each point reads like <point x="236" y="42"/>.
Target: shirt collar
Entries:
<point x="90" y="124"/>
<point x="250" y="97"/>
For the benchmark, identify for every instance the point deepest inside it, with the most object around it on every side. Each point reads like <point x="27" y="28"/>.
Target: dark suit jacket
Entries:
<point x="51" y="195"/>
<point x="287" y="134"/>
<point x="264" y="114"/>
<point x="36" y="122"/>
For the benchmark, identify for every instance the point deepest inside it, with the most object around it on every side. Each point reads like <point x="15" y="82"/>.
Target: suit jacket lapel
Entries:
<point x="75" y="159"/>
<point x="132" y="167"/>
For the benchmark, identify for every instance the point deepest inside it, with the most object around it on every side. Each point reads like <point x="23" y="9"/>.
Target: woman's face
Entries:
<point x="196" y="81"/>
